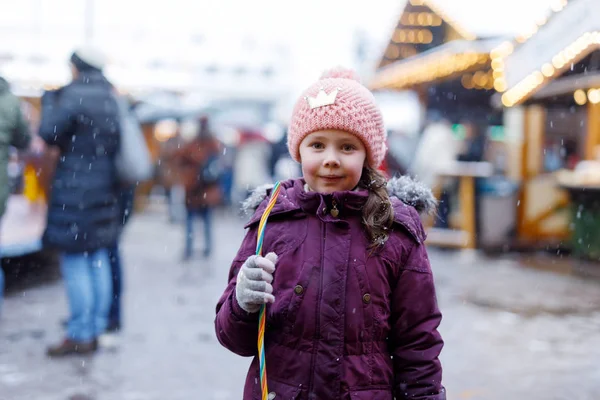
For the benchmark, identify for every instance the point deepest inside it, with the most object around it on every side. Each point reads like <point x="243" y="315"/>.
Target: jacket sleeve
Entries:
<point x="58" y="116"/>
<point x="415" y="340"/>
<point x="236" y="329"/>
<point x="20" y="133"/>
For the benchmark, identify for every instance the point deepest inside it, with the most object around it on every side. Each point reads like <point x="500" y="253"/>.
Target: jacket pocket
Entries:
<point x="372" y="394"/>
<point x="299" y="290"/>
<point x="278" y="391"/>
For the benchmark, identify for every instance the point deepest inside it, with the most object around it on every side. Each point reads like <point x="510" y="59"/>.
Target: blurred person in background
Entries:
<point x="126" y="193"/>
<point x="552" y="156"/>
<point x="570" y="154"/>
<point x="199" y="166"/>
<point x="252" y="164"/>
<point x="227" y="162"/>
<point x="14" y="132"/>
<point x="474" y="150"/>
<point x="401" y="151"/>
<point x="475" y="142"/>
<point x="278" y="151"/>
<point x="34" y="171"/>
<point x="436" y="151"/>
<point x="169" y="176"/>
<point x="126" y="198"/>
<point x="283" y="166"/>
<point x="81" y="120"/>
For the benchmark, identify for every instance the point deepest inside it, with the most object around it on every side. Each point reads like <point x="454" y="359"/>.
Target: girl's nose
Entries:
<point x="331" y="161"/>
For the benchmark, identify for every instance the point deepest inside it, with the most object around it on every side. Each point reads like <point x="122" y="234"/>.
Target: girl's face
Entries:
<point x="332" y="160"/>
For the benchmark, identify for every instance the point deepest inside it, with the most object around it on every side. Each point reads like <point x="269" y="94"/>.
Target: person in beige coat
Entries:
<point x="436" y="152"/>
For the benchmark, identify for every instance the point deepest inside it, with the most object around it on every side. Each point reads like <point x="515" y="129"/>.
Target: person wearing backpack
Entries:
<point x="81" y="120"/>
<point x="199" y="163"/>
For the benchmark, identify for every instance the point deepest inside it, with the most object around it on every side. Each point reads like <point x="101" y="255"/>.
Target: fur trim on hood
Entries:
<point x="412" y="192"/>
<point x="256" y="197"/>
<point x="405" y="188"/>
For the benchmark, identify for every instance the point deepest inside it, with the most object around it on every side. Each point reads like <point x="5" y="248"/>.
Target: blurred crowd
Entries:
<point x="88" y="171"/>
<point x="85" y="157"/>
<point x="82" y="157"/>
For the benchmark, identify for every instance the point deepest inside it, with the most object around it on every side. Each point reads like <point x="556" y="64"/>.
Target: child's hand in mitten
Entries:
<point x="253" y="287"/>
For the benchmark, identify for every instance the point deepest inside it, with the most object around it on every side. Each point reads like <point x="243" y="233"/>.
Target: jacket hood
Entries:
<point x="4" y="86"/>
<point x="406" y="189"/>
<point x="409" y="198"/>
<point x="413" y="193"/>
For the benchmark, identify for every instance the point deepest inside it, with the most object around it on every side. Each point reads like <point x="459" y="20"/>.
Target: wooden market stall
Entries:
<point x="454" y="71"/>
<point x="552" y="108"/>
<point x="448" y="66"/>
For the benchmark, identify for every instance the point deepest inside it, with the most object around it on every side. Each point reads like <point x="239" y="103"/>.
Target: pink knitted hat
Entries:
<point x="339" y="101"/>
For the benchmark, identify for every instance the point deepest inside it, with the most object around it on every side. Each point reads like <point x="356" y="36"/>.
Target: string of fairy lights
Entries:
<point x="491" y="73"/>
<point x="557" y="65"/>
<point x="480" y="80"/>
<point x="581" y="97"/>
<point x="547" y="70"/>
<point x="414" y="29"/>
<point x="431" y="68"/>
<point x="444" y="16"/>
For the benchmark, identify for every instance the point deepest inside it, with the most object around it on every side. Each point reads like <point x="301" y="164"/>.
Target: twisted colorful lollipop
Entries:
<point x="262" y="315"/>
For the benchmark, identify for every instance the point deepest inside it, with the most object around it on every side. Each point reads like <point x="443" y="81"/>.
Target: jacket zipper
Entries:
<point x="318" y="324"/>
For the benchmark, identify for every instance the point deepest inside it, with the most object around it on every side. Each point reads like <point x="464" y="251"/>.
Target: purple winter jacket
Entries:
<point x="346" y="324"/>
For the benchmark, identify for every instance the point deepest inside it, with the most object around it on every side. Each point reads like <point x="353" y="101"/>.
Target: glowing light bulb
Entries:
<point x="548" y="70"/>
<point x="580" y="97"/>
<point x="500" y="85"/>
<point x="594" y="96"/>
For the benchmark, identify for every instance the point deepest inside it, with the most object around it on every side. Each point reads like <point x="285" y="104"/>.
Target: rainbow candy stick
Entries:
<point x="262" y="317"/>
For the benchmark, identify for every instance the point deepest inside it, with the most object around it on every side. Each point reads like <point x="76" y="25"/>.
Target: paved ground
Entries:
<point x="512" y="329"/>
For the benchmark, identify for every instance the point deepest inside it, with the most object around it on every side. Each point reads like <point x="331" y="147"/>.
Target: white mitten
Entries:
<point x="253" y="287"/>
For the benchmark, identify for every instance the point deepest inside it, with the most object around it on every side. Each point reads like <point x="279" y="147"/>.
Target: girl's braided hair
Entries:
<point x="377" y="214"/>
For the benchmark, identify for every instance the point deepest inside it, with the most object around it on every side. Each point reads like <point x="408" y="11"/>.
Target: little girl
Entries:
<point x="351" y="305"/>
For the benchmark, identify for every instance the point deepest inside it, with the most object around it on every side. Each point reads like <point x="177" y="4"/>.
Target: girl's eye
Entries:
<point x="317" y="145"/>
<point x="348" y="147"/>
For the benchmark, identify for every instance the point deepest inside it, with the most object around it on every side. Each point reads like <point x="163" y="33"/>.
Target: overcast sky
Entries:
<point x="318" y="34"/>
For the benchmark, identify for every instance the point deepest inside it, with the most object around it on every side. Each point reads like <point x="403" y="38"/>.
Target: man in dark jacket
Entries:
<point x="81" y="120"/>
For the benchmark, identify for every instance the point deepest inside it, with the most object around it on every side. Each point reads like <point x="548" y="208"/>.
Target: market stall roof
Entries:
<point x="441" y="62"/>
<point x="568" y="85"/>
<point x="479" y="19"/>
<point x="563" y="41"/>
<point x="425" y="25"/>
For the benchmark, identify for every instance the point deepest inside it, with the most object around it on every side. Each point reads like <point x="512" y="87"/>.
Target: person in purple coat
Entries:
<point x="351" y="305"/>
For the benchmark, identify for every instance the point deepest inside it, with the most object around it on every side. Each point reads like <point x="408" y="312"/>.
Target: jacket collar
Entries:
<point x="91" y="77"/>
<point x="409" y="198"/>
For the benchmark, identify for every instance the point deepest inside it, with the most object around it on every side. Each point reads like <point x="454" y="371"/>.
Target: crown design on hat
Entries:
<point x="322" y="99"/>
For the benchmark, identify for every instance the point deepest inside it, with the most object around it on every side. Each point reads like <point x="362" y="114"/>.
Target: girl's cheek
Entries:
<point x="308" y="167"/>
